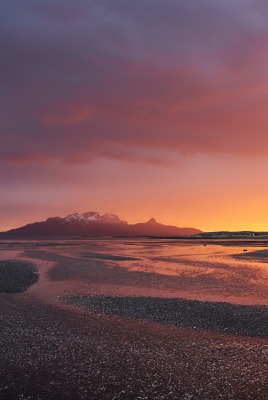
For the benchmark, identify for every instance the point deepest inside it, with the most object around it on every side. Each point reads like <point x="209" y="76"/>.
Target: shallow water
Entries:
<point x="106" y="319"/>
<point x="230" y="271"/>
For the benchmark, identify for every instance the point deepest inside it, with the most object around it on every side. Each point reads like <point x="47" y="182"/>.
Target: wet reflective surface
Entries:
<point x="122" y="319"/>
<point x="226" y="271"/>
<point x="230" y="271"/>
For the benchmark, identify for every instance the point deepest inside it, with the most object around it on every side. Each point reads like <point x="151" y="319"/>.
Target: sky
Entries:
<point x="145" y="108"/>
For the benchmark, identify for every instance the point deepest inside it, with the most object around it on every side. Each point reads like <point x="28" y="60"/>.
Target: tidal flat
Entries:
<point x="133" y="319"/>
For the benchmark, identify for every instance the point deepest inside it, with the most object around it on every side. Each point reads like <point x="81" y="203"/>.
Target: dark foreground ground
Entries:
<point x="49" y="353"/>
<point x="16" y="276"/>
<point x="200" y="315"/>
<point x="122" y="347"/>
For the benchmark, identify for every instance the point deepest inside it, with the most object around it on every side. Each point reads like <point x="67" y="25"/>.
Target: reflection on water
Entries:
<point x="226" y="271"/>
<point x="174" y="257"/>
<point x="231" y="271"/>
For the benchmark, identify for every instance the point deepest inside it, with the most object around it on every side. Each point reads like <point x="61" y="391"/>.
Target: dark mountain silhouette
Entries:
<point x="153" y="228"/>
<point x="93" y="224"/>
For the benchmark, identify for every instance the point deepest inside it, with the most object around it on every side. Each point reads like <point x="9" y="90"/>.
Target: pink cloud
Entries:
<point x="129" y="79"/>
<point x="68" y="115"/>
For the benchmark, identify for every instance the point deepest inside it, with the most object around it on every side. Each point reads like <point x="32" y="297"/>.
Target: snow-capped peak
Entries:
<point x="72" y="217"/>
<point x="93" y="216"/>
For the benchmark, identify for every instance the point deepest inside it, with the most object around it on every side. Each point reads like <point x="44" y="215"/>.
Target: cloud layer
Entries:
<point x="87" y="79"/>
<point x="145" y="108"/>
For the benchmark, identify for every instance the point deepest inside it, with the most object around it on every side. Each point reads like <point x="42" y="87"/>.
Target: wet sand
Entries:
<point x="52" y="349"/>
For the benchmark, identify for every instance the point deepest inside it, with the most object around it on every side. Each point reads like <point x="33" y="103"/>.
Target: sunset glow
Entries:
<point x="143" y="109"/>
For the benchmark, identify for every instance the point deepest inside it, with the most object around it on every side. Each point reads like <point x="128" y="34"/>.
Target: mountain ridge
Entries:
<point x="91" y="223"/>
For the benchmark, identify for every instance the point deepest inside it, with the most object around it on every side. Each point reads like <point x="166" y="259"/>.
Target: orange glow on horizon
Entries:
<point x="170" y="125"/>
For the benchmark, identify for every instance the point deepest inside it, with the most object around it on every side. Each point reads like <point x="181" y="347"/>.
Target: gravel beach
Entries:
<point x="201" y="315"/>
<point x="72" y="336"/>
<point x="16" y="276"/>
<point x="49" y="353"/>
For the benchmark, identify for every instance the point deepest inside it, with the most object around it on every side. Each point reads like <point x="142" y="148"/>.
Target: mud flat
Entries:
<point x="109" y="346"/>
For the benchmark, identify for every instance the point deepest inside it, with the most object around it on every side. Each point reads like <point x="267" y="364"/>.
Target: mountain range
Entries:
<point x="93" y="224"/>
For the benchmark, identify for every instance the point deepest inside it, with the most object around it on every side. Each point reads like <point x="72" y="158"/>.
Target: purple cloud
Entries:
<point x="82" y="80"/>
